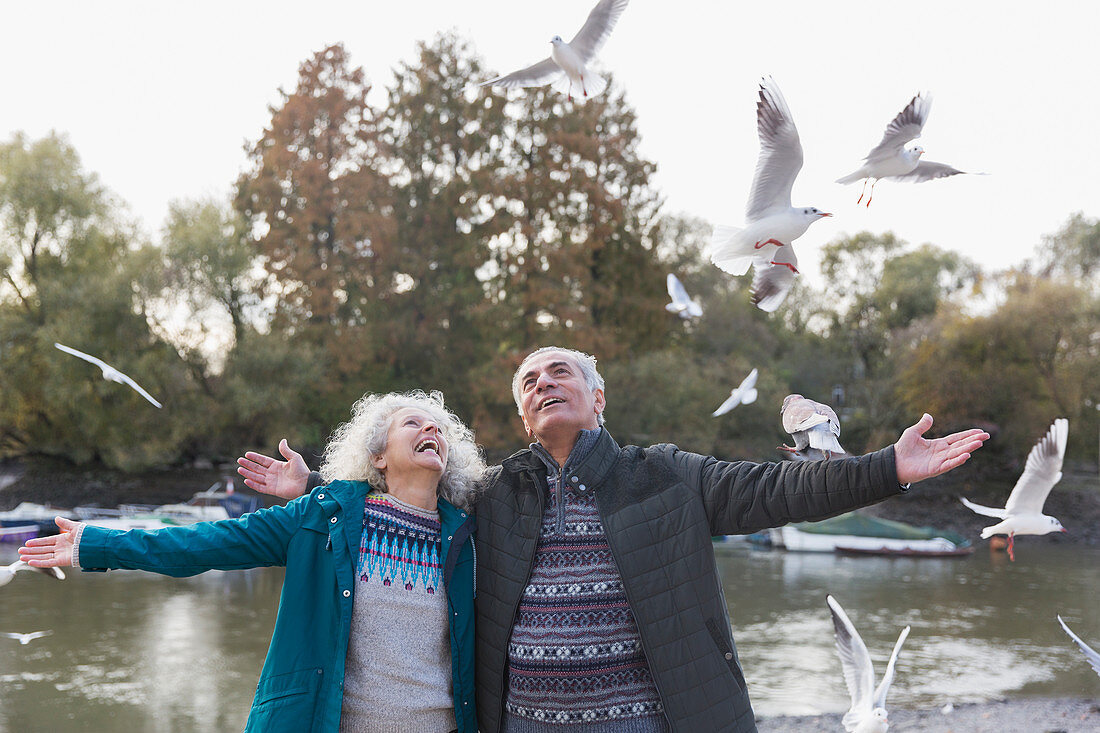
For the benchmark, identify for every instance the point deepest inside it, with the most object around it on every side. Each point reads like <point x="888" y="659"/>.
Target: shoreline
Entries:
<point x="1025" y="715"/>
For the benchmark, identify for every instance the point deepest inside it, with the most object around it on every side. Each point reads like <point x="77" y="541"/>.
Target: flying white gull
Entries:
<point x="109" y="372"/>
<point x="7" y="572"/>
<point x="890" y="158"/>
<point x="743" y="394"/>
<point x="868" y="711"/>
<point x="814" y="427"/>
<point x="681" y="304"/>
<point x="1023" y="514"/>
<point x="568" y="65"/>
<point x="25" y="639"/>
<point x="771" y="223"/>
<point x="1090" y="654"/>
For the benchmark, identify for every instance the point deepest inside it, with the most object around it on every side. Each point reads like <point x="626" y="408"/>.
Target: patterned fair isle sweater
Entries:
<point x="397" y="674"/>
<point x="575" y="658"/>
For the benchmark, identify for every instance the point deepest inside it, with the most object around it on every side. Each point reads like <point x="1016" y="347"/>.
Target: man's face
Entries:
<point x="554" y="398"/>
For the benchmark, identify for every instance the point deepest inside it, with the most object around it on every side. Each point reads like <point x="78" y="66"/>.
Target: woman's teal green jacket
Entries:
<point x="317" y="538"/>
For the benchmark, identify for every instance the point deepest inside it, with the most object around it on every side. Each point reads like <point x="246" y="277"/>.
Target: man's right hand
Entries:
<point x="284" y="479"/>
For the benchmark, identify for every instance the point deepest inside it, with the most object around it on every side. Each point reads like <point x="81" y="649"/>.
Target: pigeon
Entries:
<point x="1090" y="654"/>
<point x="868" y="711"/>
<point x="743" y="394"/>
<point x="1023" y="514"/>
<point x="681" y="304"/>
<point x="814" y="427"/>
<point x="109" y="372"/>
<point x="568" y="65"/>
<point x="8" y="572"/>
<point x="771" y="223"/>
<point x="891" y="159"/>
<point x="25" y="639"/>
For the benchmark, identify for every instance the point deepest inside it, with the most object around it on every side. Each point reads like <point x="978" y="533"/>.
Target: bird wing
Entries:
<point x="903" y="128"/>
<point x="888" y="676"/>
<point x="854" y="658"/>
<point x="1090" y="654"/>
<point x="984" y="510"/>
<point x="780" y="156"/>
<point x="86" y="357"/>
<point x="731" y="402"/>
<point x="927" y="170"/>
<point x="38" y="634"/>
<point x="748" y="382"/>
<point x="597" y="28"/>
<point x="535" y="75"/>
<point x="801" y="415"/>
<point x="57" y="573"/>
<point x="11" y="635"/>
<point x="138" y="389"/>
<point x="676" y="290"/>
<point x="770" y="285"/>
<point x="1042" y="471"/>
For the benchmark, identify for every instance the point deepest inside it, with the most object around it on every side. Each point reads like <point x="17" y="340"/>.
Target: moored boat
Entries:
<point x="860" y="534"/>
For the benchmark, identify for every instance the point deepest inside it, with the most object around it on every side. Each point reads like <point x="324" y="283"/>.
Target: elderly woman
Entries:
<point x="375" y="630"/>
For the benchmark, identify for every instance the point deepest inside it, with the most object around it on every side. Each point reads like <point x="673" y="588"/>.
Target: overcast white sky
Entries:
<point x="160" y="99"/>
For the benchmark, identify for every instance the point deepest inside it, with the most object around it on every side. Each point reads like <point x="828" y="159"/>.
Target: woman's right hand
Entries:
<point x="54" y="551"/>
<point x="284" y="479"/>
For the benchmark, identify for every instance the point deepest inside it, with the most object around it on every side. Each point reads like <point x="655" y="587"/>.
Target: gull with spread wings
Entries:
<point x="742" y="394"/>
<point x="25" y="639"/>
<point x="7" y="572"/>
<point x="892" y="160"/>
<point x="771" y="223"/>
<point x="568" y="64"/>
<point x="868" y="711"/>
<point x="109" y="372"/>
<point x="682" y="304"/>
<point x="1023" y="514"/>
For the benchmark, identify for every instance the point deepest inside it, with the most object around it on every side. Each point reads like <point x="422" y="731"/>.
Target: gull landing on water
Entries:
<point x="109" y="372"/>
<point x="8" y="572"/>
<point x="770" y="220"/>
<point x="868" y="711"/>
<point x="1023" y="513"/>
<point x="892" y="160"/>
<point x="567" y="67"/>
<point x="1090" y="654"/>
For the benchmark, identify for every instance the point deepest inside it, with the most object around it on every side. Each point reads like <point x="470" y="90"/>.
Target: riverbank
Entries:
<point x="1030" y="715"/>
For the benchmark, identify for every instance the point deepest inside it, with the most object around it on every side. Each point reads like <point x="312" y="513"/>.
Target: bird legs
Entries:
<point x="786" y="264"/>
<point x="865" y="191"/>
<point x="1011" y="540"/>
<point x="776" y="242"/>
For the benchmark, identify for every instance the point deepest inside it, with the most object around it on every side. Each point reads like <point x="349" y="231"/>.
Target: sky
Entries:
<point x="160" y="99"/>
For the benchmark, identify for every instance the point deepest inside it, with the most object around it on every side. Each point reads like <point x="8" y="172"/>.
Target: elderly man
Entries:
<point x="599" y="606"/>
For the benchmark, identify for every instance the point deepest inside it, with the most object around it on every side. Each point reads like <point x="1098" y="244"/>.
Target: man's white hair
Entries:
<point x="586" y="363"/>
<point x="350" y="450"/>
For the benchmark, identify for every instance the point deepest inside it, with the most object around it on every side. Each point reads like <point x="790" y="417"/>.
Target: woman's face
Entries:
<point x="414" y="444"/>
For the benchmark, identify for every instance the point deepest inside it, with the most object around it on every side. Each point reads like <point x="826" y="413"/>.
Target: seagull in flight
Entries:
<point x="868" y="711"/>
<point x="1023" y="514"/>
<point x="109" y="372"/>
<point x="25" y="639"/>
<point x="891" y="159"/>
<point x="814" y="427"/>
<point x="7" y="572"/>
<point x="771" y="223"/>
<point x="681" y="304"/>
<point x="1090" y="654"/>
<point x="742" y="394"/>
<point x="568" y="65"/>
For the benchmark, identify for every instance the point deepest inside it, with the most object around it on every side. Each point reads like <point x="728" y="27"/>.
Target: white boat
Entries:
<point x="864" y="535"/>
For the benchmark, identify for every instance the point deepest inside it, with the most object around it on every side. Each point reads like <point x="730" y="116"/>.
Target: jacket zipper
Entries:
<point x="630" y="603"/>
<point x="515" y="609"/>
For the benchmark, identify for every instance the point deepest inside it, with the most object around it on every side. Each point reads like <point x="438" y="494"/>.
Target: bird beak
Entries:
<point x="1063" y="530"/>
<point x="824" y="213"/>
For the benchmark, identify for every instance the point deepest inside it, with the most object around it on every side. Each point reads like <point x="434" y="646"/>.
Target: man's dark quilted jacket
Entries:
<point x="660" y="506"/>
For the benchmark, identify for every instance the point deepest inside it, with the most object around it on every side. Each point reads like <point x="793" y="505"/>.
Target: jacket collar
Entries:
<point x="586" y="475"/>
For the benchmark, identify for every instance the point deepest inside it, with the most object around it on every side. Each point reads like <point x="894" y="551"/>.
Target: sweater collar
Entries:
<point x="584" y="474"/>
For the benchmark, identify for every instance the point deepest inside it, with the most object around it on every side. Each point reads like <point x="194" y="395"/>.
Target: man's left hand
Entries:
<point x="917" y="458"/>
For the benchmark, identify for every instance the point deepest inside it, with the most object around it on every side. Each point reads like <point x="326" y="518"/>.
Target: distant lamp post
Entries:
<point x="838" y="396"/>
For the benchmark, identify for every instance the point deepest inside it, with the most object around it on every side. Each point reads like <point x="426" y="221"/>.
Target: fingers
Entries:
<point x="921" y="426"/>
<point x="966" y="434"/>
<point x="252" y="475"/>
<point x="65" y="525"/>
<point x="259" y="458"/>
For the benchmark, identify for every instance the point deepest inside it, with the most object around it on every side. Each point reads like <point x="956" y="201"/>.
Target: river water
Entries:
<point x="141" y="653"/>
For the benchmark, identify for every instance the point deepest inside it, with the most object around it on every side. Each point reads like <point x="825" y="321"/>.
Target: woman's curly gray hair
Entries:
<point x="349" y="451"/>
